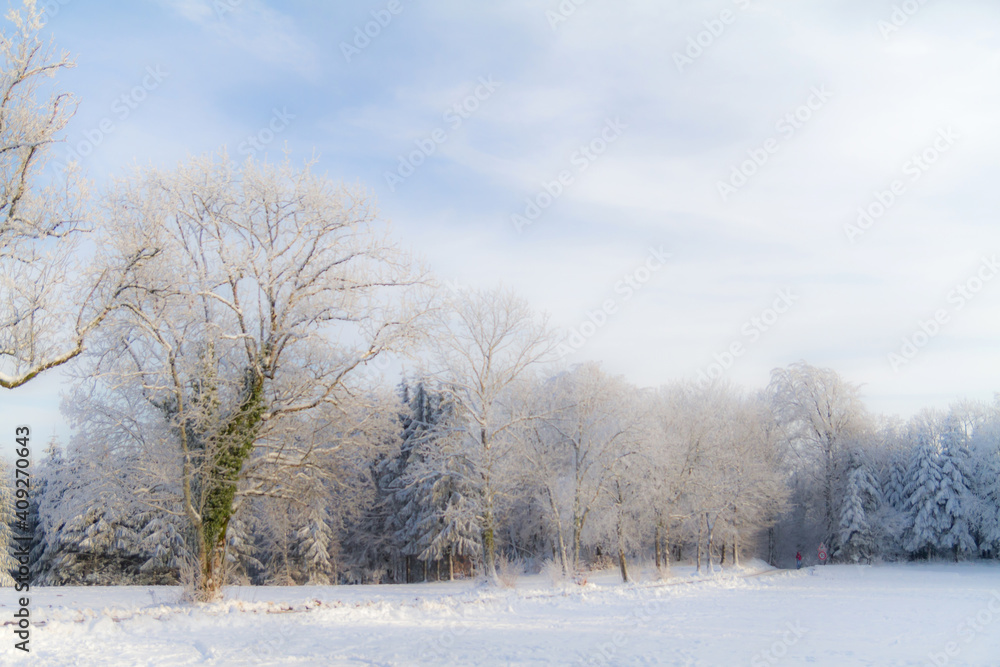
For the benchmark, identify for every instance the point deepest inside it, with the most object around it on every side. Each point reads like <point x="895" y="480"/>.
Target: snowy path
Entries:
<point x="839" y="615"/>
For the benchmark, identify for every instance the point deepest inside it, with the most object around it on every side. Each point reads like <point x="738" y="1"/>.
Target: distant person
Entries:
<point x="798" y="560"/>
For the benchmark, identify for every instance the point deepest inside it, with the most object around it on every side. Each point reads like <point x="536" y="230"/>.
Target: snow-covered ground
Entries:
<point x="921" y="614"/>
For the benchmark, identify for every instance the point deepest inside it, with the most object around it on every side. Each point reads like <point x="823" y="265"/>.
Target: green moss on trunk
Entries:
<point x="236" y="442"/>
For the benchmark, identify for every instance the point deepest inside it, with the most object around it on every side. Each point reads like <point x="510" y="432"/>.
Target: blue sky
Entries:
<point x="818" y="111"/>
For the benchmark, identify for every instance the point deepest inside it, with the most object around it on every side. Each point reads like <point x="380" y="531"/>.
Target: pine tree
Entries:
<point x="242" y="563"/>
<point x="414" y="513"/>
<point x="895" y="482"/>
<point x="8" y="565"/>
<point x="451" y="526"/>
<point x="957" y="500"/>
<point x="163" y="547"/>
<point x="988" y="471"/>
<point x="314" y="541"/>
<point x="862" y="500"/>
<point x="923" y="500"/>
<point x="89" y="531"/>
<point x="47" y="494"/>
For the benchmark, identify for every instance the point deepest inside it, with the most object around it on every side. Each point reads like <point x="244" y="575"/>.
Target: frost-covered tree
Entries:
<point x="927" y="519"/>
<point x="588" y="422"/>
<point x="959" y="504"/>
<point x="270" y="289"/>
<point x="824" y="417"/>
<point x="91" y="533"/>
<point x="858" y="512"/>
<point x="51" y="298"/>
<point x="682" y="414"/>
<point x="985" y="448"/>
<point x="386" y="538"/>
<point x="443" y="484"/>
<point x="486" y="346"/>
<point x="8" y="565"/>
<point x="749" y="469"/>
<point x="315" y="539"/>
<point x="413" y="515"/>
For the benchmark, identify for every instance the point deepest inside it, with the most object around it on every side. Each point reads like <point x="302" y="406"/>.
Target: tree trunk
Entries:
<point x="623" y="566"/>
<point x="577" y="540"/>
<point x="699" y="547"/>
<point x="666" y="547"/>
<point x="209" y="588"/>
<point x="489" y="554"/>
<point x="656" y="547"/>
<point x="559" y="533"/>
<point x="236" y="442"/>
<point x="708" y="543"/>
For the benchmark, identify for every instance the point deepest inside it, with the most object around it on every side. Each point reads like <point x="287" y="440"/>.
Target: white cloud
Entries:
<point x="266" y="34"/>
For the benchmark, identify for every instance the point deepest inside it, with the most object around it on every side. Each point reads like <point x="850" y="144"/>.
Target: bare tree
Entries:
<point x="48" y="303"/>
<point x="590" y="422"/>
<point x="486" y="346"/>
<point x="270" y="289"/>
<point x="823" y="415"/>
<point x="683" y="416"/>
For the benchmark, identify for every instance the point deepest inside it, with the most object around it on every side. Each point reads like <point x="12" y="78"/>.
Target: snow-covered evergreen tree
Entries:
<point x="163" y="546"/>
<point x="7" y="562"/>
<point x="985" y="449"/>
<point x="862" y="500"/>
<point x="402" y="503"/>
<point x="923" y="502"/>
<point x="957" y="500"/>
<point x="242" y="563"/>
<point x="315" y="539"/>
<point x="895" y="481"/>
<point x="444" y="487"/>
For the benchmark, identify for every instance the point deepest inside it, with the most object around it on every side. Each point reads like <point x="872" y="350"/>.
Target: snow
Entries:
<point x="840" y="615"/>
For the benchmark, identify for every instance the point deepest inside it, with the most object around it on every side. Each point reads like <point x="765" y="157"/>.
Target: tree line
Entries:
<point x="220" y="326"/>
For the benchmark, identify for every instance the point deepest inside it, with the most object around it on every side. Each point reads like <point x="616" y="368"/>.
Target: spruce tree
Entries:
<point x="862" y="500"/>
<point x="956" y="500"/>
<point x="8" y="565"/>
<point x="923" y="500"/>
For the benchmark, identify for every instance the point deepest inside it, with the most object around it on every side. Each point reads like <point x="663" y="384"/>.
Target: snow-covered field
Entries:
<point x="923" y="614"/>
